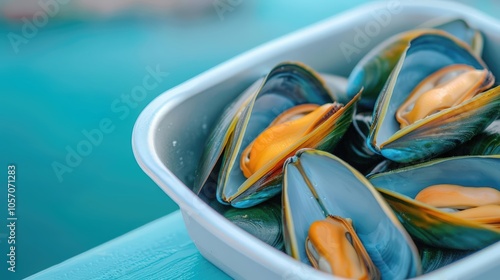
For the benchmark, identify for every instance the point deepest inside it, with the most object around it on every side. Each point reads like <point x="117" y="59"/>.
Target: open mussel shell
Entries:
<point x="373" y="70"/>
<point x="336" y="86"/>
<point x="434" y="258"/>
<point x="440" y="131"/>
<point x="221" y="133"/>
<point x="484" y="143"/>
<point x="428" y="224"/>
<point x="287" y="85"/>
<point x="317" y="184"/>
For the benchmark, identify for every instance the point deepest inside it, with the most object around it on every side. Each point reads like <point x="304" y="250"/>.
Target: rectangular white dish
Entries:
<point x="170" y="133"/>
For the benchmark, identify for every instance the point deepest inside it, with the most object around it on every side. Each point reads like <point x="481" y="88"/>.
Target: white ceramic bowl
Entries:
<point x="169" y="134"/>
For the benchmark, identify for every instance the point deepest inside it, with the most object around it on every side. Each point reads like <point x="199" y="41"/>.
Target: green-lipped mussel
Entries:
<point x="435" y="93"/>
<point x="286" y="86"/>
<point x="353" y="149"/>
<point x="434" y="258"/>
<point x="432" y="68"/>
<point x="333" y="246"/>
<point x="374" y="69"/>
<point x="317" y="184"/>
<point x="429" y="224"/>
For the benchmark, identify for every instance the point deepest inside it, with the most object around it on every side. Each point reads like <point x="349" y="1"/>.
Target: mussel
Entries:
<point x="485" y="143"/>
<point x="373" y="70"/>
<point x="317" y="184"/>
<point x="434" y="258"/>
<point x="220" y="135"/>
<point x="333" y="246"/>
<point x="272" y="108"/>
<point x="437" y="226"/>
<point x="262" y="221"/>
<point x="435" y="94"/>
<point x="421" y="91"/>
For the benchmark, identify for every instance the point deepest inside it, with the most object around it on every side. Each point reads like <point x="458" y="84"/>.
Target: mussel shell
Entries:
<point x="317" y="184"/>
<point x="434" y="258"/>
<point x="353" y="148"/>
<point x="441" y="131"/>
<point x="373" y="70"/>
<point x="484" y="143"/>
<point x="291" y="85"/>
<point x="220" y="135"/>
<point x="431" y="225"/>
<point x="262" y="221"/>
<point x="385" y="166"/>
<point x="337" y="87"/>
<point x="226" y="124"/>
<point x="208" y="194"/>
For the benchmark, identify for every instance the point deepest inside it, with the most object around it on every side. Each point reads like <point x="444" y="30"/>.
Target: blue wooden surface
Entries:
<point x="161" y="249"/>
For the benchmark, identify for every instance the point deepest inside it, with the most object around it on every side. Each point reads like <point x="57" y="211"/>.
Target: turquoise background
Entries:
<point x="65" y="80"/>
